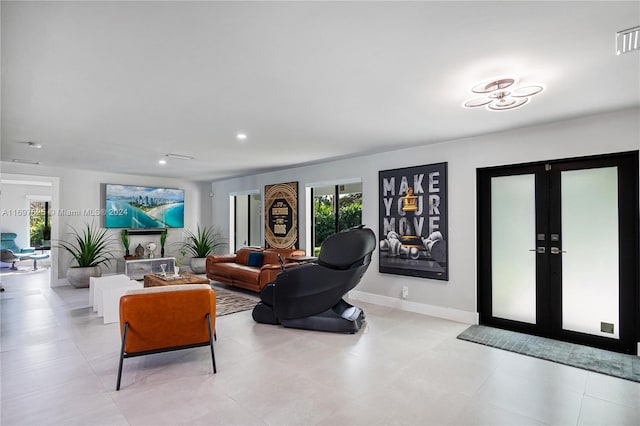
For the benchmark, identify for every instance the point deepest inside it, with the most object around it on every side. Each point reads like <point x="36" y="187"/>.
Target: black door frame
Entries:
<point x="548" y="221"/>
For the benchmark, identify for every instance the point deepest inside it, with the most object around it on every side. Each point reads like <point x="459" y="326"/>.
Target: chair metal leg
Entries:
<point x="124" y="340"/>
<point x="213" y="357"/>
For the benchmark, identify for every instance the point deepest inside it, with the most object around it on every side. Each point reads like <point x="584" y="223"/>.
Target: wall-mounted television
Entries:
<point x="143" y="207"/>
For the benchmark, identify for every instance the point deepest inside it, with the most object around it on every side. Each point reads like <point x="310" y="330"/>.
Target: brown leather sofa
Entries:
<point x="167" y="318"/>
<point x="247" y="270"/>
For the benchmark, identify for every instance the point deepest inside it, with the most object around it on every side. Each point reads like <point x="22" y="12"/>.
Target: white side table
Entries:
<point x="111" y="299"/>
<point x="105" y="293"/>
<point x="99" y="282"/>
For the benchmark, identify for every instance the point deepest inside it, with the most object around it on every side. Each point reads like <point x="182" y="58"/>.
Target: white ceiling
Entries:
<point x="115" y="86"/>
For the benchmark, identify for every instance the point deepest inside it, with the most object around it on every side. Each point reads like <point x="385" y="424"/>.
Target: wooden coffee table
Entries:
<point x="152" y="280"/>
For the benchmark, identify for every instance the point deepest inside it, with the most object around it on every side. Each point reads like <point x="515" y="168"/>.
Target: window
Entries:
<point x="335" y="208"/>
<point x="39" y="223"/>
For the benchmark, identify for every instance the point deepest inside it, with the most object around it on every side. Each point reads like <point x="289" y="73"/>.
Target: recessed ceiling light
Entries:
<point x="163" y="162"/>
<point x="241" y="136"/>
<point x="180" y="156"/>
<point x="34" y="145"/>
<point x="501" y="94"/>
<point x="21" y="161"/>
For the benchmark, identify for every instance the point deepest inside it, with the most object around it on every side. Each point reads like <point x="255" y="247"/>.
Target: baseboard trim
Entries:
<point x="419" y="308"/>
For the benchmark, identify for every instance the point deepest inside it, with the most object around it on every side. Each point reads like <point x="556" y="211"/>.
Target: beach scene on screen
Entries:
<point x="143" y="207"/>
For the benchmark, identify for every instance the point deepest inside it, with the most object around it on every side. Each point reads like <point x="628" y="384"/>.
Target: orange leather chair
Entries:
<point x="167" y="318"/>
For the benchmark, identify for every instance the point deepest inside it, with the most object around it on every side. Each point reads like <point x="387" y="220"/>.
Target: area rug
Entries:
<point x="592" y="359"/>
<point x="228" y="302"/>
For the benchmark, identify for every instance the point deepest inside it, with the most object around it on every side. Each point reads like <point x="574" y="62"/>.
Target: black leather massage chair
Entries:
<point x="310" y="295"/>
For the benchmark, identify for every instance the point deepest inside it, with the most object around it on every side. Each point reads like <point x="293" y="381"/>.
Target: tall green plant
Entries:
<point x="124" y="237"/>
<point x="203" y="242"/>
<point x="91" y="247"/>
<point x="163" y="237"/>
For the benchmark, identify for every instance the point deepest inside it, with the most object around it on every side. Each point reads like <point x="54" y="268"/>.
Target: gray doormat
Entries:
<point x="592" y="359"/>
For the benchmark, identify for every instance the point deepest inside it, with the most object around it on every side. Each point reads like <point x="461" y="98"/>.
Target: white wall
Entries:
<point x="79" y="191"/>
<point x="456" y="299"/>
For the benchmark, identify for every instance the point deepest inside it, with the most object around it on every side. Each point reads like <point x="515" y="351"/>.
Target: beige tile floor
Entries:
<point x="59" y="365"/>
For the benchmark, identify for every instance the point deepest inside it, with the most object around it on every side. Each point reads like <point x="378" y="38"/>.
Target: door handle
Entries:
<point x="540" y="250"/>
<point x="556" y="250"/>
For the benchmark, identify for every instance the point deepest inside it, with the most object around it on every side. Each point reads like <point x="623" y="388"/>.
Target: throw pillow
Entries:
<point x="255" y="258"/>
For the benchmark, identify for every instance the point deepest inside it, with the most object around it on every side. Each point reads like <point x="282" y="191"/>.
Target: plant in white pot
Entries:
<point x="201" y="244"/>
<point x="90" y="248"/>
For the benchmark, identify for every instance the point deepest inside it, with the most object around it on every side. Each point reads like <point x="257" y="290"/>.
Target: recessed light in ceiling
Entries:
<point x="21" y="161"/>
<point x="501" y="94"/>
<point x="180" y="156"/>
<point x="241" y="136"/>
<point x="163" y="162"/>
<point x="34" y="145"/>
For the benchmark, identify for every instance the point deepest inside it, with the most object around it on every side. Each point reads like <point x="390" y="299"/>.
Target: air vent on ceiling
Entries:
<point x="627" y="40"/>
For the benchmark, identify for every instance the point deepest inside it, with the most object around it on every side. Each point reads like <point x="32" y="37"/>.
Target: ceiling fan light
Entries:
<point x="502" y="94"/>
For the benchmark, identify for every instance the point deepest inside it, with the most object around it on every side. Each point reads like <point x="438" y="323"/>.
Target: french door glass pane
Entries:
<point x="323" y="215"/>
<point x="513" y="230"/>
<point x="590" y="242"/>
<point x="241" y="220"/>
<point x="349" y="205"/>
<point x="255" y="212"/>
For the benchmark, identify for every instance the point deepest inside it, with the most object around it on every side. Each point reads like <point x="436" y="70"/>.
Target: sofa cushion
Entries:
<point x="235" y="271"/>
<point x="225" y="269"/>
<point x="248" y="274"/>
<point x="255" y="259"/>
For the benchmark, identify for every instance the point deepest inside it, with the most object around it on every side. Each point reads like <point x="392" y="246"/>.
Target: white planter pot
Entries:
<point x="79" y="277"/>
<point x="198" y="265"/>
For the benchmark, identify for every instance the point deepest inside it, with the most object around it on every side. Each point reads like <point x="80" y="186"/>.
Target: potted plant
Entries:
<point x="163" y="240"/>
<point x="124" y="237"/>
<point x="201" y="244"/>
<point x="90" y="248"/>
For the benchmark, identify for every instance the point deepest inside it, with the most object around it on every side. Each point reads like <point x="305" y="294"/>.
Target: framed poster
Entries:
<point x="281" y="215"/>
<point x="413" y="221"/>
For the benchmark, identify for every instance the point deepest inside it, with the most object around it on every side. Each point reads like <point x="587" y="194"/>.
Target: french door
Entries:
<point x="558" y="249"/>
